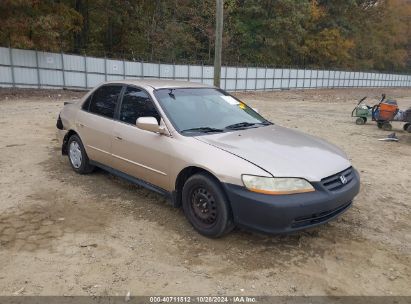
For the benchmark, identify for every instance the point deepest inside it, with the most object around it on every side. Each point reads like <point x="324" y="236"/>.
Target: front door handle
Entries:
<point x="118" y="138"/>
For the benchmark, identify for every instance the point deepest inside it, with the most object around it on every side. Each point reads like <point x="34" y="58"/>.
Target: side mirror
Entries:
<point x="150" y="124"/>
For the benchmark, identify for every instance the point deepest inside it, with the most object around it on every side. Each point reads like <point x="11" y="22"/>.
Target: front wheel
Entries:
<point x="77" y="156"/>
<point x="360" y="120"/>
<point x="406" y="127"/>
<point x="206" y="206"/>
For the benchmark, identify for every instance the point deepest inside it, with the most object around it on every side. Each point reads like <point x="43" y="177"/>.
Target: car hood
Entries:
<point x="282" y="152"/>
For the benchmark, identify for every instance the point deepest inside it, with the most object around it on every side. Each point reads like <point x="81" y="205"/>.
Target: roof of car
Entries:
<point x="161" y="83"/>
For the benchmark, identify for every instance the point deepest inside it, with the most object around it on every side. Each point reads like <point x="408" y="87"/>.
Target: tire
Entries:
<point x="379" y="125"/>
<point x="360" y="121"/>
<point x="409" y="129"/>
<point x="386" y="126"/>
<point x="406" y="126"/>
<point x="77" y="156"/>
<point x="206" y="207"/>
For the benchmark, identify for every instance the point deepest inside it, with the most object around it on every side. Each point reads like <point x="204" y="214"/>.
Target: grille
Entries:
<point x="333" y="182"/>
<point x="319" y="217"/>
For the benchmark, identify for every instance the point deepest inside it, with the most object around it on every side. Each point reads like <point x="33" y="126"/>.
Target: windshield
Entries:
<point x="206" y="110"/>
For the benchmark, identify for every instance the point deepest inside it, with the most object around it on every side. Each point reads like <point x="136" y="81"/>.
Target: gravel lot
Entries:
<point x="66" y="234"/>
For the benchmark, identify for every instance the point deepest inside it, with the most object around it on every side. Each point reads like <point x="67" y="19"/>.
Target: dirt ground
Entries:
<point x="66" y="234"/>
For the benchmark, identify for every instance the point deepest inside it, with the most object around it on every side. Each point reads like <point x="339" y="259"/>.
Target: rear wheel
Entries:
<point x="206" y="206"/>
<point x="406" y="126"/>
<point x="77" y="156"/>
<point x="386" y="126"/>
<point x="409" y="128"/>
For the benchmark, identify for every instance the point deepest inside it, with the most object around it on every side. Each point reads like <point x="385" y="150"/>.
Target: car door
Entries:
<point x="95" y="122"/>
<point x="139" y="153"/>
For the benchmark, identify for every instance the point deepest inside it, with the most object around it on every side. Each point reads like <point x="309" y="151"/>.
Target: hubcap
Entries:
<point x="75" y="154"/>
<point x="204" y="206"/>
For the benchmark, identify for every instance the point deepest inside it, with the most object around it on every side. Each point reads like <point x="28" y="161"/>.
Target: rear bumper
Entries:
<point x="288" y="213"/>
<point x="60" y="134"/>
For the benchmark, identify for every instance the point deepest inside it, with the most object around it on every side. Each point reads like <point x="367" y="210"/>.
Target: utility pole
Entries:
<point x="218" y="41"/>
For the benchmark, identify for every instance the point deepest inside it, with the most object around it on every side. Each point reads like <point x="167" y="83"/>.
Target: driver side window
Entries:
<point x="136" y="103"/>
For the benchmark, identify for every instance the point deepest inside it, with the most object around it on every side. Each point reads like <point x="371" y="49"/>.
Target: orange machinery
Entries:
<point x="384" y="112"/>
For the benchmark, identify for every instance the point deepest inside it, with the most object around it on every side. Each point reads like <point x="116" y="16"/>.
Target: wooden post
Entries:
<point x="218" y="41"/>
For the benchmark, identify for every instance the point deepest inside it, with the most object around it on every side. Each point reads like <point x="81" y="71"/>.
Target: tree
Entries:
<point x="45" y="25"/>
<point x="351" y="34"/>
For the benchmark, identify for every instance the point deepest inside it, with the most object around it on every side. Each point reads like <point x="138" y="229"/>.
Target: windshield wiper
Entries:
<point x="245" y="124"/>
<point x="203" y="130"/>
<point x="240" y="125"/>
<point x="266" y="123"/>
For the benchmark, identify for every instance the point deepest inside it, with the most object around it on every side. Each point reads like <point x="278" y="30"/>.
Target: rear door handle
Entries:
<point x="118" y="138"/>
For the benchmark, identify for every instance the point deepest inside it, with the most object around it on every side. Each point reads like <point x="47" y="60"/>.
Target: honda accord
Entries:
<point x="210" y="153"/>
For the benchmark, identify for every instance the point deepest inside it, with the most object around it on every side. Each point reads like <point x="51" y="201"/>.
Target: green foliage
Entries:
<point x="38" y="24"/>
<point x="268" y="32"/>
<point x="354" y="34"/>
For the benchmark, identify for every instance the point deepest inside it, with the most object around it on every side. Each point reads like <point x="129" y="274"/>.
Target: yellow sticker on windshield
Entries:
<point x="241" y="105"/>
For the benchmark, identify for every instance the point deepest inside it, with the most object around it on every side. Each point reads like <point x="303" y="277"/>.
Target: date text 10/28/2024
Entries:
<point x="204" y="299"/>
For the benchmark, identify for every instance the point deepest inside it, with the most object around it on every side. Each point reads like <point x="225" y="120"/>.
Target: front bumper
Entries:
<point x="287" y="213"/>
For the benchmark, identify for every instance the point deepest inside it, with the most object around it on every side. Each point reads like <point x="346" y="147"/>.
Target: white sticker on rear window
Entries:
<point x="230" y="100"/>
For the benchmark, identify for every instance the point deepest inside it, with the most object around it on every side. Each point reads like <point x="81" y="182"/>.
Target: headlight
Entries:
<point x="276" y="185"/>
